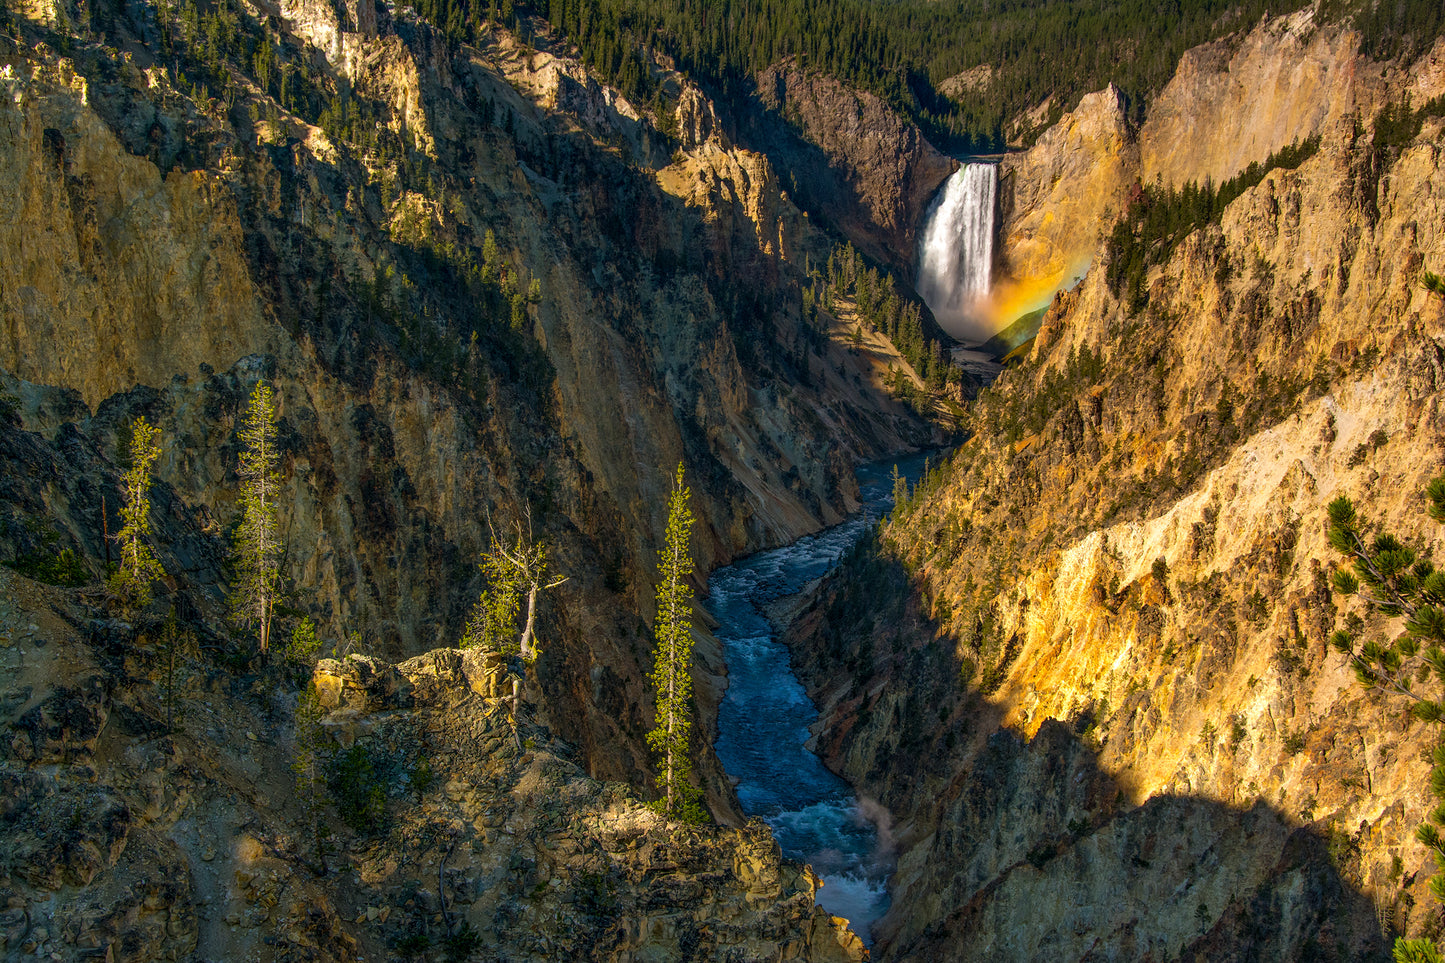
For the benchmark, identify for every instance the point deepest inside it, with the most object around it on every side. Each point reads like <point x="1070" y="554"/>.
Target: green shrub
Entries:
<point x="420" y="779"/>
<point x="64" y="569"/>
<point x="412" y="944"/>
<point x="357" y="790"/>
<point x="461" y="945"/>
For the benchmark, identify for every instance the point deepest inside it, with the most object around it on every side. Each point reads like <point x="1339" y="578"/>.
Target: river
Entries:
<point x="764" y="717"/>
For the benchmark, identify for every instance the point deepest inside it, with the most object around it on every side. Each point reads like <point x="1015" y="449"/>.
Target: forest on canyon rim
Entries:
<point x="506" y="265"/>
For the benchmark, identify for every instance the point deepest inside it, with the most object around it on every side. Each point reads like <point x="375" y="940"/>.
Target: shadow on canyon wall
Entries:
<point x="1015" y="848"/>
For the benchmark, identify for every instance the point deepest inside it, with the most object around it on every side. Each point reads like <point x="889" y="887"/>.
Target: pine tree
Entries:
<point x="1433" y="283"/>
<point x="900" y="494"/>
<point x="174" y="676"/>
<point x="1417" y="951"/>
<point x="491" y="626"/>
<point x="139" y="566"/>
<point x="257" y="542"/>
<point x="1393" y="579"/>
<point x="312" y="744"/>
<point x="304" y="647"/>
<point x="307" y="765"/>
<point x="672" y="668"/>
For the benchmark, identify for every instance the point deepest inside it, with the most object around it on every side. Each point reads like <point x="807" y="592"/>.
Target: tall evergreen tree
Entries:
<point x="258" y="541"/>
<point x="672" y="668"/>
<point x="308" y="766"/>
<point x="139" y="566"/>
<point x="900" y="493"/>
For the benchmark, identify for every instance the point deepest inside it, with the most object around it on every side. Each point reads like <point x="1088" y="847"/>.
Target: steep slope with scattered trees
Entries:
<point x="482" y="286"/>
<point x="1087" y="666"/>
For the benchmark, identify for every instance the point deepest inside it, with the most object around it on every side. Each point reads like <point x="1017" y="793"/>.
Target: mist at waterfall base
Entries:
<point x="955" y="253"/>
<point x="764" y="718"/>
<point x="955" y="262"/>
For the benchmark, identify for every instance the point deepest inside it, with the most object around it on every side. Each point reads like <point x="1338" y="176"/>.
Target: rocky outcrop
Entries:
<point x="848" y="158"/>
<point x="1059" y="198"/>
<point x="132" y="839"/>
<point x="1106" y="650"/>
<point x="971" y="81"/>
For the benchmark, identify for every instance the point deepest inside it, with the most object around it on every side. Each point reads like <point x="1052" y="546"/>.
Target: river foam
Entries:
<point x="764" y="719"/>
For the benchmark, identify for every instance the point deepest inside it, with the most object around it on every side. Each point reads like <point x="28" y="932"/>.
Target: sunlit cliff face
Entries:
<point x="1008" y="300"/>
<point x="1011" y="298"/>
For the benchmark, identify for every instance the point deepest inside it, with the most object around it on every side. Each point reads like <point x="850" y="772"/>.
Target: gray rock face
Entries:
<point x="849" y="157"/>
<point x="406" y="807"/>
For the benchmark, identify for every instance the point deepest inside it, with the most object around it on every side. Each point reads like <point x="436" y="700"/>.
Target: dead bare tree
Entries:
<point x="514" y="569"/>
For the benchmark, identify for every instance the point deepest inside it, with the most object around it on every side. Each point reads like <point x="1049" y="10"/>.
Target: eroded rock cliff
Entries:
<point x="1100" y="703"/>
<point x="1057" y="199"/>
<point x="850" y="158"/>
<point x="159" y="806"/>
<point x="483" y="285"/>
<point x="1236" y="101"/>
<point x="1231" y="103"/>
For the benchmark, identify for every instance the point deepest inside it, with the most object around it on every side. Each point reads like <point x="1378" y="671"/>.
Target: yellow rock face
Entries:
<point x="1225" y="107"/>
<point x="1228" y="105"/>
<point x="1062" y="194"/>
<point x="113" y="275"/>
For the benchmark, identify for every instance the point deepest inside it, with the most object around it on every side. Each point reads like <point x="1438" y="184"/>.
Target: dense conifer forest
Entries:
<point x="1037" y="51"/>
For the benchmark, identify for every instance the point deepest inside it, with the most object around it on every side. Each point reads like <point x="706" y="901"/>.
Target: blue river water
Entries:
<point x="764" y="717"/>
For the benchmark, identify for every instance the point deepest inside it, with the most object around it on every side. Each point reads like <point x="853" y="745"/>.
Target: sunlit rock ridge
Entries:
<point x="1091" y="677"/>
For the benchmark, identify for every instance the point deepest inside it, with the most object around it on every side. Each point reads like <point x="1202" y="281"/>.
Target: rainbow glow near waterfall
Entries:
<point x="955" y="252"/>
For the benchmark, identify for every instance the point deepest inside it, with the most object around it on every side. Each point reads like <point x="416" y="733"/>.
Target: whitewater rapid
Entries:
<point x="955" y="250"/>
<point x="764" y="719"/>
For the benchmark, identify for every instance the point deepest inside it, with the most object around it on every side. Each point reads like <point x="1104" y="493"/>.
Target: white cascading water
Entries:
<point x="955" y="251"/>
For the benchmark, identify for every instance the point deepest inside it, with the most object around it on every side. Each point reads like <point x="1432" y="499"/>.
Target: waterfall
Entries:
<point x="955" y="251"/>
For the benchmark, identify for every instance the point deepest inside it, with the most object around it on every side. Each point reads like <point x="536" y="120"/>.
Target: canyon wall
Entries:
<point x="636" y="309"/>
<point x="869" y="173"/>
<point x="1230" y="103"/>
<point x="1087" y="670"/>
<point x="1058" y="199"/>
<point x="491" y="296"/>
